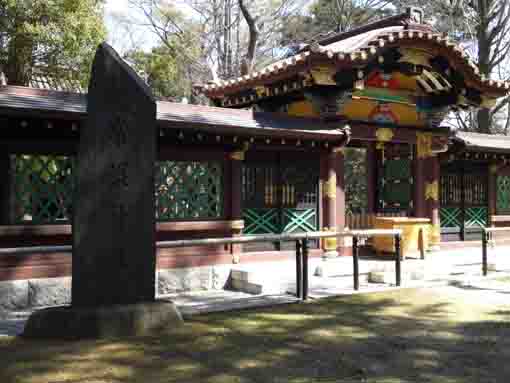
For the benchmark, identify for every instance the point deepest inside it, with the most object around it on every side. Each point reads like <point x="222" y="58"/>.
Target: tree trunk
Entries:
<point x="18" y="68"/>
<point x="484" y="50"/>
<point x="249" y="58"/>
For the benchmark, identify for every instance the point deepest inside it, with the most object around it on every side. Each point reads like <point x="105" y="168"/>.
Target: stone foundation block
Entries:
<point x="186" y="279"/>
<point x="220" y="277"/>
<point x="49" y="292"/>
<point x="389" y="277"/>
<point x="13" y="295"/>
<point x="67" y="322"/>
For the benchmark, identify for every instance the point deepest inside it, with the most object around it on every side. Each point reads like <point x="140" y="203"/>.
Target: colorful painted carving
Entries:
<point x="383" y="114"/>
<point x="382" y="80"/>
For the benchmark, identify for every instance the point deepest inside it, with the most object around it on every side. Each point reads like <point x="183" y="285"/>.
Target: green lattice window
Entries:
<point x="188" y="190"/>
<point x="42" y="189"/>
<point x="503" y="201"/>
<point x="397" y="169"/>
<point x="395" y="178"/>
<point x="476" y="217"/>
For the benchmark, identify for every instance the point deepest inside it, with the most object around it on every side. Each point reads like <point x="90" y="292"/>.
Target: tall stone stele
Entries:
<point x="114" y="255"/>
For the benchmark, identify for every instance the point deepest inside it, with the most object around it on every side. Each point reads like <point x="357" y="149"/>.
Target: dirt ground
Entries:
<point x="442" y="334"/>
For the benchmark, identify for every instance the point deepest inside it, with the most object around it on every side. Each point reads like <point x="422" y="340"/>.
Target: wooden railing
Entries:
<point x="364" y="221"/>
<point x="302" y="249"/>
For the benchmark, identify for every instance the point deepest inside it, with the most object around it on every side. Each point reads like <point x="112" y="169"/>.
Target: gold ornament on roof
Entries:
<point x="384" y="134"/>
<point x="323" y="75"/>
<point x="237" y="156"/>
<point x="261" y="91"/>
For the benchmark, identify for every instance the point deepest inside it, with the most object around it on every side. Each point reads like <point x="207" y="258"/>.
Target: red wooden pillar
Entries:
<point x="492" y="191"/>
<point x="338" y="162"/>
<point x="233" y="198"/>
<point x="333" y="198"/>
<point x="433" y="172"/>
<point x="427" y="178"/>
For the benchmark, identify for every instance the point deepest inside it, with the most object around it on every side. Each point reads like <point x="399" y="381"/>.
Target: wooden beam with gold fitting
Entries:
<point x="329" y="244"/>
<point x="424" y="145"/>
<point x="329" y="187"/>
<point x="383" y="135"/>
<point x="432" y="191"/>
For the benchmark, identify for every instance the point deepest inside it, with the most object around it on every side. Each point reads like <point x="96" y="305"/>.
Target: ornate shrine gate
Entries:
<point x="280" y="195"/>
<point x="464" y="200"/>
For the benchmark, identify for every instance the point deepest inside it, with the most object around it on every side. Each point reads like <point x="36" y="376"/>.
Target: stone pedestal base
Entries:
<point x="433" y="248"/>
<point x="102" y="322"/>
<point x="330" y="254"/>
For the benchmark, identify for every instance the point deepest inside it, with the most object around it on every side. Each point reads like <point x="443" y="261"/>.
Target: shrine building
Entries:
<point x="347" y="132"/>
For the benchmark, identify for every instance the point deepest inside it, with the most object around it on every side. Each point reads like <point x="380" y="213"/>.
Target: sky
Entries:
<point x="116" y="12"/>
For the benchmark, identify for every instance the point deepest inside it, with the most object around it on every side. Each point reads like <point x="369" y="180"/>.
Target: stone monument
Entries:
<point x="114" y="234"/>
<point x="114" y="255"/>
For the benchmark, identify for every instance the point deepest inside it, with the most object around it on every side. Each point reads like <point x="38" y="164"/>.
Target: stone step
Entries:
<point x="283" y="280"/>
<point x="268" y="287"/>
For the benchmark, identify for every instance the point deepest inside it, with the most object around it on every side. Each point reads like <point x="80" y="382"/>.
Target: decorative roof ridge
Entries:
<point x="460" y="133"/>
<point x="403" y="19"/>
<point x="363" y="53"/>
<point x="232" y="111"/>
<point x="29" y="91"/>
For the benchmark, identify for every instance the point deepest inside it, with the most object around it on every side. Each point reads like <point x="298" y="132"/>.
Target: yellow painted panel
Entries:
<point x="302" y="109"/>
<point x="359" y="109"/>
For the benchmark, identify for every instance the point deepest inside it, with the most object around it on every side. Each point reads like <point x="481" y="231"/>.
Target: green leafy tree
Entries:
<point x="330" y="16"/>
<point x="356" y="189"/>
<point x="163" y="72"/>
<point x="343" y="15"/>
<point x="58" y="37"/>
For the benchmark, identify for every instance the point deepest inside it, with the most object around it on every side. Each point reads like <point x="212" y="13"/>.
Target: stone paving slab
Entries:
<point x="13" y="322"/>
<point x="467" y="263"/>
<point x="194" y="303"/>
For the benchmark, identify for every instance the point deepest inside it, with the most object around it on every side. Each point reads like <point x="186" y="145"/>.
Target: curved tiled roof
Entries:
<point x="27" y="101"/>
<point x="358" y="50"/>
<point x="480" y="141"/>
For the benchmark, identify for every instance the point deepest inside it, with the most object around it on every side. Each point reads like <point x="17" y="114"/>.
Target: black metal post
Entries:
<point x="355" y="260"/>
<point x="305" y="269"/>
<point x="398" y="260"/>
<point x="299" y="270"/>
<point x="484" y="252"/>
<point x="421" y="243"/>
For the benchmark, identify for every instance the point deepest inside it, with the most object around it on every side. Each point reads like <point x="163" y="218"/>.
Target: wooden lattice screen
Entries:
<point x="503" y="195"/>
<point x="42" y="189"/>
<point x="279" y="198"/>
<point x="188" y="190"/>
<point x="464" y="198"/>
<point x="395" y="178"/>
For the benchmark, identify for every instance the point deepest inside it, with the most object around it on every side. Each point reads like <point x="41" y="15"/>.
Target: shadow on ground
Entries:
<point x="436" y="335"/>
